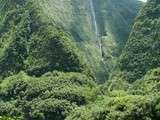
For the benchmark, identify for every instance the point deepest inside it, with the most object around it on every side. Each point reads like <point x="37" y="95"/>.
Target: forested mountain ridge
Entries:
<point x="30" y="42"/>
<point x="75" y="20"/>
<point x="142" y="51"/>
<point x="134" y="94"/>
<point x="48" y="74"/>
<point x="94" y="24"/>
<point x="56" y="78"/>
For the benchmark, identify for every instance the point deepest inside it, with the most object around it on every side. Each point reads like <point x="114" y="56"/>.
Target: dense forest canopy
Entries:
<point x="79" y="60"/>
<point x="142" y="51"/>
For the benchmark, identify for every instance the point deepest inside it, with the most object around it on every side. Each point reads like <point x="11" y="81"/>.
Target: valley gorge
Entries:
<point x="79" y="60"/>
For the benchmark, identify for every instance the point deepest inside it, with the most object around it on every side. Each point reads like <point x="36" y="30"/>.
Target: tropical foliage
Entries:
<point x="142" y="51"/>
<point x="45" y="76"/>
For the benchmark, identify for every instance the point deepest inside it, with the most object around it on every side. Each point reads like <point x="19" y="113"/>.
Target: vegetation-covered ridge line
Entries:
<point x="33" y="44"/>
<point x="142" y="51"/>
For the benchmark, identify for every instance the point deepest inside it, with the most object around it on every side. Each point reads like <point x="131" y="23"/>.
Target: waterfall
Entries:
<point x="95" y="26"/>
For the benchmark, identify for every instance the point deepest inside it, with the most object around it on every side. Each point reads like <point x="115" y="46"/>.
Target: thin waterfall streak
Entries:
<point x="94" y="22"/>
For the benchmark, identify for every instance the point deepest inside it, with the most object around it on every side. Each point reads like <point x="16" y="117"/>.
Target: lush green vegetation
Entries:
<point x="114" y="19"/>
<point x="49" y="97"/>
<point x="122" y="101"/>
<point x="72" y="96"/>
<point x="142" y="51"/>
<point x="44" y="75"/>
<point x="8" y="118"/>
<point x="28" y="41"/>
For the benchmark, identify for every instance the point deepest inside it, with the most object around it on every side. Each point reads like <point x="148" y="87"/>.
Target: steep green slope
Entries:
<point x="75" y="16"/>
<point x="116" y="17"/>
<point x="56" y="83"/>
<point x="38" y="20"/>
<point x="142" y="51"/>
<point x="31" y="42"/>
<point x="114" y="20"/>
<point x="120" y="99"/>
